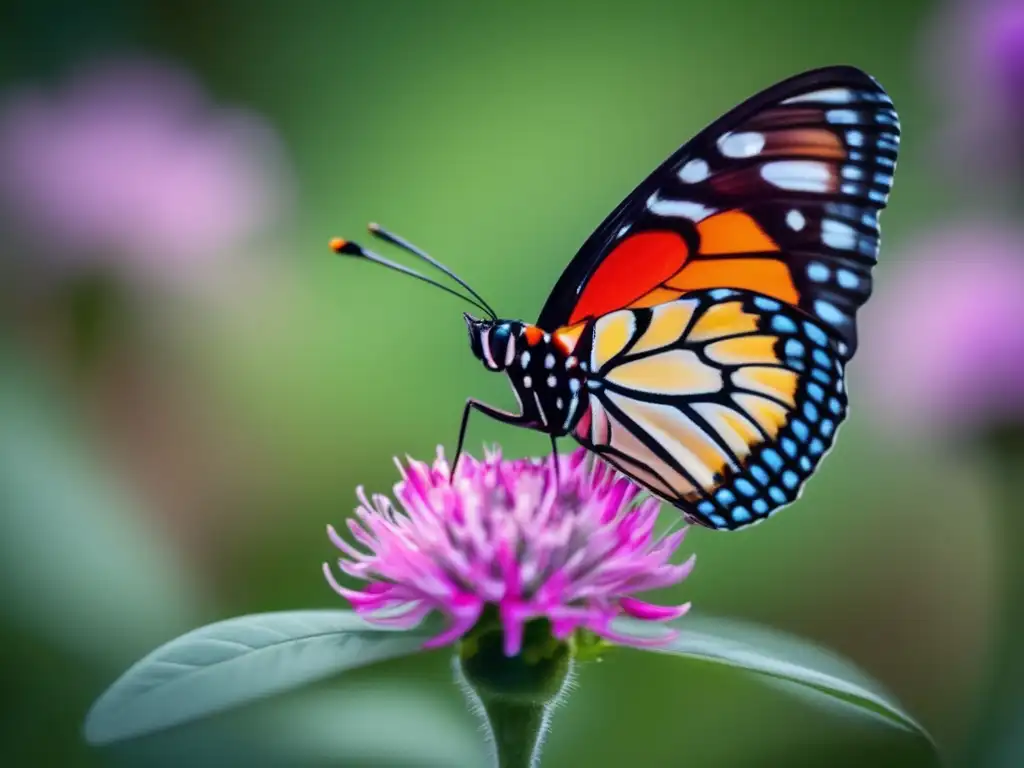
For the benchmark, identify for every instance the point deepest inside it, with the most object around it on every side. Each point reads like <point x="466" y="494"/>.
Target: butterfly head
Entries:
<point x="493" y="341"/>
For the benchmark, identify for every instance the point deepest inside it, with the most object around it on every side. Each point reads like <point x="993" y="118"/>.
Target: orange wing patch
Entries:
<point x="763" y="275"/>
<point x="630" y="271"/>
<point x="533" y="335"/>
<point x="568" y="337"/>
<point x="656" y="297"/>
<point x="732" y="232"/>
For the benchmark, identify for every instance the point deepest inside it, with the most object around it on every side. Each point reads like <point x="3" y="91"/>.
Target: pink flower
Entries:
<point x="130" y="166"/>
<point x="508" y="534"/>
<point x="975" y="58"/>
<point x="944" y="340"/>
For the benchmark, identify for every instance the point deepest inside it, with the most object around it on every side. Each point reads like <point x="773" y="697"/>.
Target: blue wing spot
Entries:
<point x="816" y="447"/>
<point x="834" y="405"/>
<point x="810" y="411"/>
<point x="815" y="391"/>
<point x="800" y="429"/>
<point x="777" y="495"/>
<point x="815" y="334"/>
<point x="725" y="496"/>
<point x="788" y="446"/>
<point x="817" y="272"/>
<point x="847" y="279"/>
<point x="772" y="459"/>
<point x="822" y="358"/>
<point x="758" y="473"/>
<point x="721" y="293"/>
<point x="794" y="348"/>
<point x="829" y="312"/>
<point x="797" y="365"/>
<point x="768" y="305"/>
<point x="718" y="521"/>
<point x="745" y="487"/>
<point x="828" y="427"/>
<point x="823" y="376"/>
<point x="706" y="508"/>
<point x="790" y="479"/>
<point x="740" y="515"/>
<point x="760" y="506"/>
<point x="783" y="324"/>
<point x="805" y="464"/>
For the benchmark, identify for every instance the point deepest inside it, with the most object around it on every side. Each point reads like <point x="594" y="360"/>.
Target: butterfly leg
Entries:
<point x="554" y="457"/>
<point x="516" y="419"/>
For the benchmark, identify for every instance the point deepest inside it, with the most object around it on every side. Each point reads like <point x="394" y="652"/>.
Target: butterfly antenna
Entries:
<point x="390" y="237"/>
<point x="347" y="247"/>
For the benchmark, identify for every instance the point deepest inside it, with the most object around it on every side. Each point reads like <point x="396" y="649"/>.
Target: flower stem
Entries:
<point x="514" y="694"/>
<point x="517" y="730"/>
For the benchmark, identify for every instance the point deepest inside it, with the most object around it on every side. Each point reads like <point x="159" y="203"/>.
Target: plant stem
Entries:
<point x="518" y="730"/>
<point x="514" y="694"/>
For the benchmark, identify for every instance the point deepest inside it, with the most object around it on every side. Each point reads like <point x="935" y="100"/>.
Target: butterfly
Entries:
<point x="698" y="341"/>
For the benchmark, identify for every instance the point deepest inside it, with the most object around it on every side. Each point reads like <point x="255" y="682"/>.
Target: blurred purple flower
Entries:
<point x="944" y="341"/>
<point x="131" y="167"/>
<point x="507" y="534"/>
<point x="975" y="57"/>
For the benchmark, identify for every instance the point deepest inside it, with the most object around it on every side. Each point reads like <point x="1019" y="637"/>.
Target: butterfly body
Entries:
<point x="546" y="372"/>
<point x="698" y="340"/>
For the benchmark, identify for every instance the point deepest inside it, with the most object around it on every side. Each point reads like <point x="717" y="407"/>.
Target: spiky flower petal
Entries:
<point x="572" y="546"/>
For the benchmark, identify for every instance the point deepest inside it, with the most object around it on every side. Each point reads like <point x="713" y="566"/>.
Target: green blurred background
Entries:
<point x="171" y="449"/>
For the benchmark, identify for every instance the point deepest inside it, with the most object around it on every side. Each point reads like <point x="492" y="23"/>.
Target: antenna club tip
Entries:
<point x="341" y="245"/>
<point x="373" y="226"/>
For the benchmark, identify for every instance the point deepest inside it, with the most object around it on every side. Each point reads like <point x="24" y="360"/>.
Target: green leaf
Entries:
<point x="236" y="661"/>
<point x="790" y="663"/>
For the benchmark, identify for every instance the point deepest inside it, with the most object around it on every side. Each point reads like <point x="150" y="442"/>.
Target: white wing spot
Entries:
<point x="694" y="171"/>
<point x="835" y="234"/>
<point x="685" y="209"/>
<point x="795" y="220"/>
<point x="745" y="144"/>
<point x="827" y="95"/>
<point x="798" y="175"/>
<point x="527" y="382"/>
<point x="559" y="403"/>
<point x="524" y="359"/>
<point x="549" y="361"/>
<point x="841" y="116"/>
<point x="552" y="381"/>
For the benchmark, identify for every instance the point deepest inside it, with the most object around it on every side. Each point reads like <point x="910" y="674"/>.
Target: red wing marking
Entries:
<point x="633" y="268"/>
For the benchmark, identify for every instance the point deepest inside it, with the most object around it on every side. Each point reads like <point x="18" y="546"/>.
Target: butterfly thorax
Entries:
<point x="546" y="371"/>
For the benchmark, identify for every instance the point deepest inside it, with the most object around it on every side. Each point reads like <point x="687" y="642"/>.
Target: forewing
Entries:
<point x="781" y="197"/>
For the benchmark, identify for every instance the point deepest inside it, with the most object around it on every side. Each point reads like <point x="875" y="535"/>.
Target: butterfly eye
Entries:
<point x="499" y="339"/>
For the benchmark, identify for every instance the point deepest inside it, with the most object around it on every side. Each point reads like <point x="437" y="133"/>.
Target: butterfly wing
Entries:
<point x="722" y="402"/>
<point x="780" y="196"/>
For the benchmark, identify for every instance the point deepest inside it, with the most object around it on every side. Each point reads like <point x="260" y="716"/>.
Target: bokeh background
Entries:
<point x="192" y="386"/>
